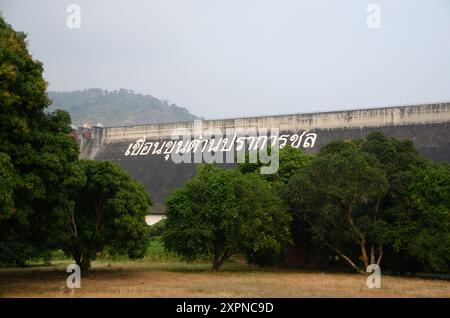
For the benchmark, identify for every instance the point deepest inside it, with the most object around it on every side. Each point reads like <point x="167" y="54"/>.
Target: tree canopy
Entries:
<point x="48" y="199"/>
<point x="332" y="196"/>
<point x="372" y="199"/>
<point x="38" y="156"/>
<point x="291" y="160"/>
<point x="220" y="212"/>
<point x="110" y="210"/>
<point x="418" y="224"/>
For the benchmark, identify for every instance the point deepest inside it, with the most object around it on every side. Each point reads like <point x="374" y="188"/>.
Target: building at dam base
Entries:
<point x="145" y="150"/>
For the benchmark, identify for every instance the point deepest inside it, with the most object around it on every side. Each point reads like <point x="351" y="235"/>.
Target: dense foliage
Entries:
<point x="38" y="158"/>
<point x="418" y="225"/>
<point x="48" y="199"/>
<point x="222" y="212"/>
<point x="110" y="210"/>
<point x="340" y="195"/>
<point x="291" y="160"/>
<point x="369" y="201"/>
<point x="374" y="199"/>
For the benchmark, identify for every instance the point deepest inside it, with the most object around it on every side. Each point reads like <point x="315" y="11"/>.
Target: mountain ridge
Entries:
<point x="121" y="107"/>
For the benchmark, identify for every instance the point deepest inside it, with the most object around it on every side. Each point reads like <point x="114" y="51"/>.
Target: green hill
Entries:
<point x="117" y="108"/>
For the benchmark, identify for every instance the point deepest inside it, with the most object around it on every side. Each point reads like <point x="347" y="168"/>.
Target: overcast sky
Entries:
<point x="226" y="58"/>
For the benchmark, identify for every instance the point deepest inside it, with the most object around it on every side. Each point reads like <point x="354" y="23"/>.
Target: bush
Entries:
<point x="157" y="229"/>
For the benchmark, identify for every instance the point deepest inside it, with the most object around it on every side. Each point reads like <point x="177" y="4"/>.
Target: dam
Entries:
<point x="145" y="150"/>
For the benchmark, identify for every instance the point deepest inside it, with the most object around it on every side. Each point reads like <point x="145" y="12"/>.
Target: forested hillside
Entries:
<point x="117" y="108"/>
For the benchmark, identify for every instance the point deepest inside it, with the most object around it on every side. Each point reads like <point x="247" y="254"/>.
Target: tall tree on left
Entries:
<point x="38" y="157"/>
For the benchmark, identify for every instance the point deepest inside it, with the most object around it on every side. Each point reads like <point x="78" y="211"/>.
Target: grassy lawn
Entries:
<point x="152" y="278"/>
<point x="163" y="274"/>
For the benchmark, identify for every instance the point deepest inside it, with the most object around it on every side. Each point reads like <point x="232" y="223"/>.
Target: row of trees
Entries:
<point x="362" y="202"/>
<point x="374" y="199"/>
<point x="48" y="198"/>
<point x="365" y="201"/>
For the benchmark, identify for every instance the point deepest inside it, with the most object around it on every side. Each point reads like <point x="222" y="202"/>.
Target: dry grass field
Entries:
<point x="152" y="279"/>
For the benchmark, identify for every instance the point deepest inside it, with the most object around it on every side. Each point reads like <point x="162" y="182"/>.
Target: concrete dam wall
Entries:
<point x="146" y="151"/>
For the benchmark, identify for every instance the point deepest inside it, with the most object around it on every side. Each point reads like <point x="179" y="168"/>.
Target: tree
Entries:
<point x="418" y="227"/>
<point x="6" y="186"/>
<point x="336" y="194"/>
<point x="394" y="155"/>
<point x="400" y="161"/>
<point x="37" y="153"/>
<point x="156" y="230"/>
<point x="291" y="160"/>
<point x="220" y="212"/>
<point x="110" y="210"/>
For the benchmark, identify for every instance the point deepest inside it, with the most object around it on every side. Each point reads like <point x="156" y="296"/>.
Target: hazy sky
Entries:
<point x="225" y="58"/>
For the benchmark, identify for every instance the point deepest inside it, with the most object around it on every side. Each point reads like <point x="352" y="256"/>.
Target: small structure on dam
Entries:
<point x="147" y="151"/>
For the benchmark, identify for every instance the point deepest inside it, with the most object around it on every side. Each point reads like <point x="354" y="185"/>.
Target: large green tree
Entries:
<point x="38" y="156"/>
<point x="291" y="161"/>
<point x="334" y="196"/>
<point x="399" y="203"/>
<point x="401" y="162"/>
<point x="110" y="210"/>
<point x="220" y="212"/>
<point x="418" y="224"/>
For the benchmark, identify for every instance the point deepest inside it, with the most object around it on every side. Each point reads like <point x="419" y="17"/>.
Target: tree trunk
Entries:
<point x="380" y="255"/>
<point x="82" y="261"/>
<point x="349" y="261"/>
<point x="365" y="258"/>
<point x="76" y="256"/>
<point x="85" y="265"/>
<point x="216" y="265"/>
<point x="218" y="261"/>
<point x="362" y="238"/>
<point x="372" y="255"/>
